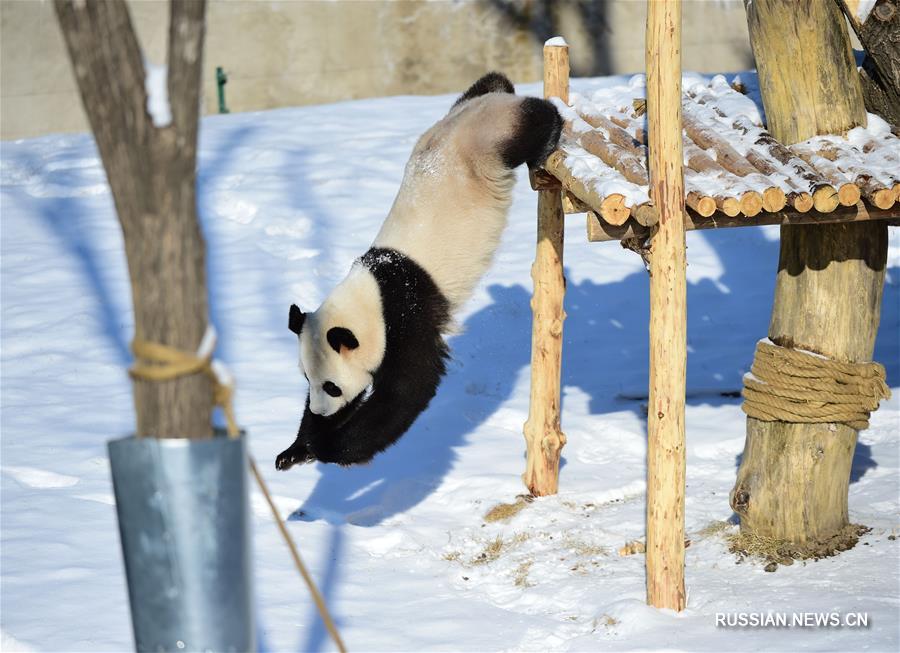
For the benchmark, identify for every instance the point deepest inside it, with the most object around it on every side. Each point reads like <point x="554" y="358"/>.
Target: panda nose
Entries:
<point x="331" y="389"/>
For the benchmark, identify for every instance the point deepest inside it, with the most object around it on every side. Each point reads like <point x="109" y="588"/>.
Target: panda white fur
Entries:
<point x="374" y="352"/>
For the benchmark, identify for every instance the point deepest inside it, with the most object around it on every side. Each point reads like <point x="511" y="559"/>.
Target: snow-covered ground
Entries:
<point x="288" y="198"/>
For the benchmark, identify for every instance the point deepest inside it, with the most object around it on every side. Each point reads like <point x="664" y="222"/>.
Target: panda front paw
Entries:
<point x="292" y="456"/>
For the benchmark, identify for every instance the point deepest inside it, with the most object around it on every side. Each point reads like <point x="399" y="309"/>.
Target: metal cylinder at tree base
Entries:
<point x="183" y="516"/>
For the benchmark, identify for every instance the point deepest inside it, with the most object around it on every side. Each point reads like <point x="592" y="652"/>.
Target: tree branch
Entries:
<point x="187" y="25"/>
<point x="107" y="62"/>
<point x="109" y="69"/>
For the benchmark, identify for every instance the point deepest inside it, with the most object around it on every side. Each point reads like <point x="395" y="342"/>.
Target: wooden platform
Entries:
<point x="735" y="174"/>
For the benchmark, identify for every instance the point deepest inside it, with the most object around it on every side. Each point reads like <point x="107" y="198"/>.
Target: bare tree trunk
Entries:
<point x="879" y="33"/>
<point x="793" y="480"/>
<point x="880" y="98"/>
<point x="151" y="171"/>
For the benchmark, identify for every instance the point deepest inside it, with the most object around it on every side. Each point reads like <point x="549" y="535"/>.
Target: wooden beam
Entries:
<point x="543" y="437"/>
<point x="598" y="231"/>
<point x="543" y="180"/>
<point x="572" y="204"/>
<point x="668" y="311"/>
<point x="612" y="207"/>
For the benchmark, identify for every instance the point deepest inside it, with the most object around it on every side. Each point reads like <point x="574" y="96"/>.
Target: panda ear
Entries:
<point x="339" y="337"/>
<point x="296" y="319"/>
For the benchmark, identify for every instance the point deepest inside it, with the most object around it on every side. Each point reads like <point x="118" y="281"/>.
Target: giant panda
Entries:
<point x="374" y="352"/>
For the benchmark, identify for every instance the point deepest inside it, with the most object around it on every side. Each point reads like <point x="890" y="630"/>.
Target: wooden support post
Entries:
<point x="543" y="436"/>
<point x="668" y="314"/>
<point x="793" y="479"/>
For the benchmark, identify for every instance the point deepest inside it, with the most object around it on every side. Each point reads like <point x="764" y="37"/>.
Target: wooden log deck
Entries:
<point x="735" y="173"/>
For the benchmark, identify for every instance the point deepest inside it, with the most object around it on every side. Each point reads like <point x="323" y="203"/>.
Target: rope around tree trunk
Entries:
<point x="792" y="385"/>
<point x="157" y="362"/>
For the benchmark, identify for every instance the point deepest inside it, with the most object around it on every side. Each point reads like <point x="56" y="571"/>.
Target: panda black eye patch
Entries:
<point x="331" y="389"/>
<point x="340" y="337"/>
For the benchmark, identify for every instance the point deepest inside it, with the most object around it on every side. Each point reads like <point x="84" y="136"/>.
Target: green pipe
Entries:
<point x="221" y="80"/>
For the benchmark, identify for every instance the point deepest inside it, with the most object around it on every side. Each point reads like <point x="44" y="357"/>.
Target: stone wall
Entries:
<point x="294" y="52"/>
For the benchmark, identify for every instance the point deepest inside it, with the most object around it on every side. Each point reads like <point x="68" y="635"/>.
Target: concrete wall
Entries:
<point x="294" y="52"/>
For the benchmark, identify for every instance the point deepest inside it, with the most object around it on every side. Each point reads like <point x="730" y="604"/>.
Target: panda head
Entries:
<point x="339" y="348"/>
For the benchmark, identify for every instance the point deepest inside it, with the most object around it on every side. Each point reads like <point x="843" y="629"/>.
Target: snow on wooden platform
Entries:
<point x="734" y="169"/>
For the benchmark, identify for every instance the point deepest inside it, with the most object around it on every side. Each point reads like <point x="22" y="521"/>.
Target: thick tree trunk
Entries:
<point x="807" y="75"/>
<point x="793" y="479"/>
<point x="879" y="33"/>
<point x="880" y="98"/>
<point x="151" y="172"/>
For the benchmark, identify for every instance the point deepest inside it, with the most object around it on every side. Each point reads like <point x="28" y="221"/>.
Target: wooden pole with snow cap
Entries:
<point x="668" y="311"/>
<point x="543" y="436"/>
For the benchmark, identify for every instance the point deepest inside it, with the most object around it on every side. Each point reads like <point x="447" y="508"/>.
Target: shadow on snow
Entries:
<point x="605" y="356"/>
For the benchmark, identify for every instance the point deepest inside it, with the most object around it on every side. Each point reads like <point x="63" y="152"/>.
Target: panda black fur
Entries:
<point x="374" y="352"/>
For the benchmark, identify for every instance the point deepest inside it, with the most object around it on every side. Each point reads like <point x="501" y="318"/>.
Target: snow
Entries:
<point x="556" y="41"/>
<point x="882" y="151"/>
<point x="207" y="343"/>
<point x="288" y="199"/>
<point x="732" y="102"/>
<point x="876" y="127"/>
<point x="156" y="86"/>
<point x="863" y="9"/>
